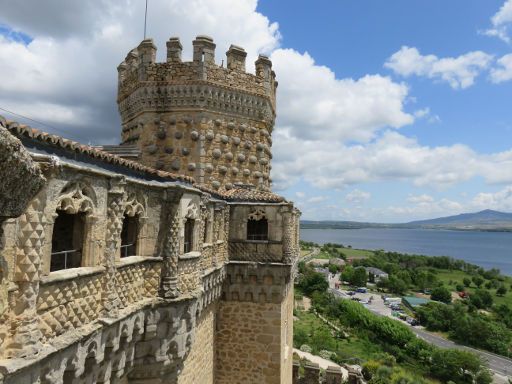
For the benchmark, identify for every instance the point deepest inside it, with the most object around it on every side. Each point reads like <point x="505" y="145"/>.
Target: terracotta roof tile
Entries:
<point x="238" y="193"/>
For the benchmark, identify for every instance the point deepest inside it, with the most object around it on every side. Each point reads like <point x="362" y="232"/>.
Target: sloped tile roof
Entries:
<point x="238" y="193"/>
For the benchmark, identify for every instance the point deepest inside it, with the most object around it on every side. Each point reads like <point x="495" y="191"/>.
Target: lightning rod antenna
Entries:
<point x="145" y="19"/>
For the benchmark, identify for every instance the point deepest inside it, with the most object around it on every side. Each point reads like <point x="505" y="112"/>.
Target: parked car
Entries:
<point x="361" y="290"/>
<point x="351" y="293"/>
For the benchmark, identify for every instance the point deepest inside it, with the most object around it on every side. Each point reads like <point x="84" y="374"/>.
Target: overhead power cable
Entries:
<point x="42" y="124"/>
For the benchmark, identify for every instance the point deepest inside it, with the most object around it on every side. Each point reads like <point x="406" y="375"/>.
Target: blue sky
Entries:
<point x="387" y="111"/>
<point x="355" y="38"/>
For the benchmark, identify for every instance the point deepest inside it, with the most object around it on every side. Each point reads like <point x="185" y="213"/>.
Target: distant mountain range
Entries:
<point x="487" y="220"/>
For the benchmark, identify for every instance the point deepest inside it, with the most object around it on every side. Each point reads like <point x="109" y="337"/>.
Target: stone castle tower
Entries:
<point x="210" y="122"/>
<point x="175" y="268"/>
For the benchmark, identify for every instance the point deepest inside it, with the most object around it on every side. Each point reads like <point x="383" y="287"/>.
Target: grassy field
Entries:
<point x="319" y="337"/>
<point x="452" y="278"/>
<point x="310" y="330"/>
<point x="352" y="253"/>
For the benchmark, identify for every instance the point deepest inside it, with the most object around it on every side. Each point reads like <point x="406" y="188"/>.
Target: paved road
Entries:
<point x="498" y="364"/>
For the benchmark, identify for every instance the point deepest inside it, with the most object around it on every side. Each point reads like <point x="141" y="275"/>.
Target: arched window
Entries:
<point x="189" y="235"/>
<point x="67" y="241"/>
<point x="257" y="229"/>
<point x="129" y="235"/>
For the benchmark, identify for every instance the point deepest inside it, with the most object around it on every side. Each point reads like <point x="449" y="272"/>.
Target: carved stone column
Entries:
<point x="226" y="233"/>
<point x="203" y="205"/>
<point x="216" y="234"/>
<point x="171" y="249"/>
<point x="24" y="333"/>
<point x="115" y="216"/>
<point x="288" y="240"/>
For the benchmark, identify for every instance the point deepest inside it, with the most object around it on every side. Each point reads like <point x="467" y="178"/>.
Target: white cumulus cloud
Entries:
<point x="320" y="106"/>
<point x="459" y="72"/>
<point x="501" y="22"/>
<point x="503" y="71"/>
<point x="357" y="196"/>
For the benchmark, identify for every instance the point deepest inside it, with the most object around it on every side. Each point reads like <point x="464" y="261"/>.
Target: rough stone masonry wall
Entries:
<point x="214" y="149"/>
<point x="198" y="118"/>
<point x="249" y="343"/>
<point x="287" y="337"/>
<point x="199" y="367"/>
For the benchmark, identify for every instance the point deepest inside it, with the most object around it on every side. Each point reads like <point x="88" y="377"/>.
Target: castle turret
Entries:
<point x="210" y="122"/>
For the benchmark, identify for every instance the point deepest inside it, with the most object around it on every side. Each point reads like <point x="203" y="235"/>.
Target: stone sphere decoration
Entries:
<point x="172" y="121"/>
<point x="259" y="147"/>
<point x="192" y="166"/>
<point x="208" y="168"/>
<point x="223" y="170"/>
<point x="176" y="164"/>
<point x="185" y="151"/>
<point x="253" y="159"/>
<point x="263" y="161"/>
<point x="228" y="186"/>
<point x="152" y="149"/>
<point x="242" y="127"/>
<point x="210" y="135"/>
<point x="257" y="174"/>
<point x="218" y="122"/>
<point x="247" y="172"/>
<point x="168" y="150"/>
<point x="178" y="135"/>
<point x="231" y="125"/>
<point x="161" y="134"/>
<point x="194" y="135"/>
<point x="228" y="156"/>
<point x="236" y="140"/>
<point x="216" y="153"/>
<point x="254" y="129"/>
<point x="248" y="144"/>
<point x="224" y="139"/>
<point x="215" y="184"/>
<point x="159" y="164"/>
<point x="241" y="157"/>
<point x="234" y="171"/>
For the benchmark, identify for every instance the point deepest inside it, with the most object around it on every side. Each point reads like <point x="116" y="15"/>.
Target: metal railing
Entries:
<point x="127" y="250"/>
<point x="65" y="253"/>
<point x="257" y="236"/>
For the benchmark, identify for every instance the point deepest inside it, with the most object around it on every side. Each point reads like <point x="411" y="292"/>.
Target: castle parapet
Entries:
<point x="140" y="65"/>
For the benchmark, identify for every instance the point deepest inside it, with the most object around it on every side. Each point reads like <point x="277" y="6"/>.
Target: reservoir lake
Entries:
<point x="486" y="249"/>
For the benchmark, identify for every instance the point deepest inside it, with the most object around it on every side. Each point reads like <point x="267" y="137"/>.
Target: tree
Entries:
<point x="481" y="298"/>
<point x="467" y="282"/>
<point x="459" y="288"/>
<point x="501" y="291"/>
<point x="311" y="281"/>
<point x="347" y="273"/>
<point x="478" y="281"/>
<point x="441" y="294"/>
<point x="455" y="365"/>
<point x="333" y="268"/>
<point x="359" y="277"/>
<point x="397" y="285"/>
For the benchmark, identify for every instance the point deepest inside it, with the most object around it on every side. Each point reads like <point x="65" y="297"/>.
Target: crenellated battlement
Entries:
<point x="211" y="122"/>
<point x="140" y="67"/>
